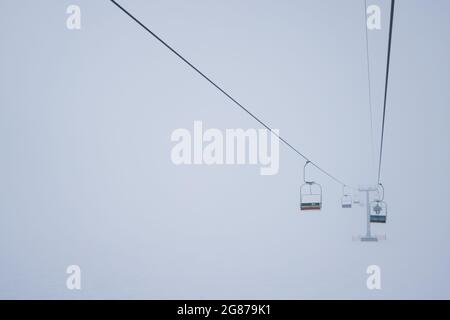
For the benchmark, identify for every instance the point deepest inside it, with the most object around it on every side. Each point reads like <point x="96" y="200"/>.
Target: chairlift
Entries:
<point x="347" y="199"/>
<point x="310" y="194"/>
<point x="357" y="200"/>
<point x="378" y="208"/>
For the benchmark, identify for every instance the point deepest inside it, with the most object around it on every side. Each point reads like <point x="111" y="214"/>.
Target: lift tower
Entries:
<point x="368" y="237"/>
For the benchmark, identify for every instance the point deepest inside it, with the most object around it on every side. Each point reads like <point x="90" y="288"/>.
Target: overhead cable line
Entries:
<point x="228" y="95"/>
<point x="391" y="24"/>
<point x="369" y="86"/>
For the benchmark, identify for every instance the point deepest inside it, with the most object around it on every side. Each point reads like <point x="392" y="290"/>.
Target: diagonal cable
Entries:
<point x="227" y="94"/>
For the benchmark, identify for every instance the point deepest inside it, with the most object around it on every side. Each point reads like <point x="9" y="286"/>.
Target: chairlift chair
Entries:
<point x="347" y="199"/>
<point x="378" y="209"/>
<point x="310" y="194"/>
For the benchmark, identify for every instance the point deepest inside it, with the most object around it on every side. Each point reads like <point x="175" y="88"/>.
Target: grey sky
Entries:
<point x="85" y="171"/>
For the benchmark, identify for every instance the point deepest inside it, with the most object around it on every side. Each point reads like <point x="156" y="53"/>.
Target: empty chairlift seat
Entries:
<point x="357" y="200"/>
<point x="310" y="194"/>
<point x="310" y="197"/>
<point x="347" y="200"/>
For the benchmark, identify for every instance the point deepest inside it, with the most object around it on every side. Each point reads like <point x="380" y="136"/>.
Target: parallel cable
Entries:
<point x="369" y="77"/>
<point x="386" y="87"/>
<point x="228" y="95"/>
